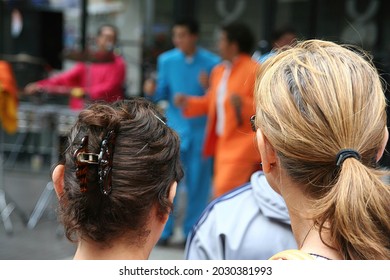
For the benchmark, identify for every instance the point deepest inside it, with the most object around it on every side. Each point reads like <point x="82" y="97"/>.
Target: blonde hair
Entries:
<point x="312" y="101"/>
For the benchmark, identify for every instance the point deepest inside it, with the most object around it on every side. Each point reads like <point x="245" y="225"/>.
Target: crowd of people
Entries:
<point x="277" y="156"/>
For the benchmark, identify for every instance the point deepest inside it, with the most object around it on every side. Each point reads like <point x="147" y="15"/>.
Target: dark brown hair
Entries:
<point x="145" y="164"/>
<point x="241" y="34"/>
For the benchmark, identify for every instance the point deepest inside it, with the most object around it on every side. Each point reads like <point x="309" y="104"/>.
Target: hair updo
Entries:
<point x="145" y="163"/>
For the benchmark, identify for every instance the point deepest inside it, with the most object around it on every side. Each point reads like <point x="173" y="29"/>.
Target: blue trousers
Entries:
<point x="197" y="181"/>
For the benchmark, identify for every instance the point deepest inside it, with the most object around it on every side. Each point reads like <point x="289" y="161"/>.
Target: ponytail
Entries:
<point x="327" y="137"/>
<point x="356" y="212"/>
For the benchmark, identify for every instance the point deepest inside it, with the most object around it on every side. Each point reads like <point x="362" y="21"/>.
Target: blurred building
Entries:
<point x="43" y="29"/>
<point x="145" y="25"/>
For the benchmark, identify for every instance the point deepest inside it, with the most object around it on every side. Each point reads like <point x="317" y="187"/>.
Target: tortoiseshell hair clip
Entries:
<point x="82" y="158"/>
<point x="104" y="161"/>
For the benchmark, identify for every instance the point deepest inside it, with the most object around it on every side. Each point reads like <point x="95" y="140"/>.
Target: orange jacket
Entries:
<point x="8" y="98"/>
<point x="237" y="141"/>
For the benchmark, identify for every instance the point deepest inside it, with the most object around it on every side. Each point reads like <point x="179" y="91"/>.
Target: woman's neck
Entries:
<point x="314" y="243"/>
<point x="306" y="234"/>
<point x="190" y="51"/>
<point x="119" y="250"/>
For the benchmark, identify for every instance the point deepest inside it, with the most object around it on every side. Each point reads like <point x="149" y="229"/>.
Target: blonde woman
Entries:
<point x="321" y="128"/>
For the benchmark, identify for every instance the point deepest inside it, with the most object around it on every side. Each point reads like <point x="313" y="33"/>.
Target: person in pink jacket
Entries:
<point x="98" y="76"/>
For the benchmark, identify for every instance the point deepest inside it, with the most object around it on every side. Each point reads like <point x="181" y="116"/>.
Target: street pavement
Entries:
<point x="23" y="185"/>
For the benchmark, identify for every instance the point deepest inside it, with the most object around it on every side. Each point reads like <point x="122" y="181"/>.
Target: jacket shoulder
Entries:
<point x="293" y="254"/>
<point x="167" y="55"/>
<point x="209" y="54"/>
<point x="226" y="202"/>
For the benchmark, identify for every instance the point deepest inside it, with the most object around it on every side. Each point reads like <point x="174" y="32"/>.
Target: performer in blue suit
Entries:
<point x="185" y="70"/>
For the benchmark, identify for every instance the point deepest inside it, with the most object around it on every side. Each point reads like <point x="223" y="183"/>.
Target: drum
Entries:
<point x="31" y="118"/>
<point x="39" y="118"/>
<point x="34" y="134"/>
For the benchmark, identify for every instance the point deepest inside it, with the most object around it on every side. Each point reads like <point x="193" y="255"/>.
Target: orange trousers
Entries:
<point x="228" y="176"/>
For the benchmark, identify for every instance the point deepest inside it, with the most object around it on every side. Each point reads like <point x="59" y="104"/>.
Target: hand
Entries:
<point x="31" y="88"/>
<point x="181" y="100"/>
<point x="236" y="101"/>
<point x="203" y="79"/>
<point x="77" y="92"/>
<point x="149" y="87"/>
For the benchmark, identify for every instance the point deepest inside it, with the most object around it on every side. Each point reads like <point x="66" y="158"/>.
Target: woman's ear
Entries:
<point x="58" y="179"/>
<point x="171" y="197"/>
<point x="172" y="192"/>
<point x="267" y="152"/>
<point x="383" y="146"/>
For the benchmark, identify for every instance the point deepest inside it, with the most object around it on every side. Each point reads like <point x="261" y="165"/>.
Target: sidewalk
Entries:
<point x="46" y="240"/>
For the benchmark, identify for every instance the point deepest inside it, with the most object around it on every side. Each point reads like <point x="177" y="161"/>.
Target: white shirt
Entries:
<point x="221" y="96"/>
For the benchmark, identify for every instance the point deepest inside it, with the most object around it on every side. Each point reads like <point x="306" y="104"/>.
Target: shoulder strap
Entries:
<point x="292" y="255"/>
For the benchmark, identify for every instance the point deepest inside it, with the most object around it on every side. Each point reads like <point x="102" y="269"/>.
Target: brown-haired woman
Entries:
<point x="118" y="181"/>
<point x="321" y="128"/>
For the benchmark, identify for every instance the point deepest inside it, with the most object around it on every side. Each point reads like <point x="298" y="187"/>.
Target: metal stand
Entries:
<point x="48" y="192"/>
<point x="16" y="149"/>
<point x="41" y="205"/>
<point x="5" y="208"/>
<point x="32" y="122"/>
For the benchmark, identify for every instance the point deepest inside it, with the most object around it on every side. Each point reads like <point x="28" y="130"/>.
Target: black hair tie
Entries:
<point x="346" y="153"/>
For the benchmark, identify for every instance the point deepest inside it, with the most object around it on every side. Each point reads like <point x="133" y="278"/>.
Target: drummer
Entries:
<point x="98" y="75"/>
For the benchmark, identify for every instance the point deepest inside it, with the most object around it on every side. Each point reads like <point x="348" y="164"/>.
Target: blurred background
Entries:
<point x="35" y="35"/>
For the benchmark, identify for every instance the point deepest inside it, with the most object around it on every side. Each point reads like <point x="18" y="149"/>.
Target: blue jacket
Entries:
<point x="177" y="73"/>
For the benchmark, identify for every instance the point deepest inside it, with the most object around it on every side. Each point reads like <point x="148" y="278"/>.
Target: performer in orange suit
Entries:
<point x="229" y="105"/>
<point x="8" y="98"/>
